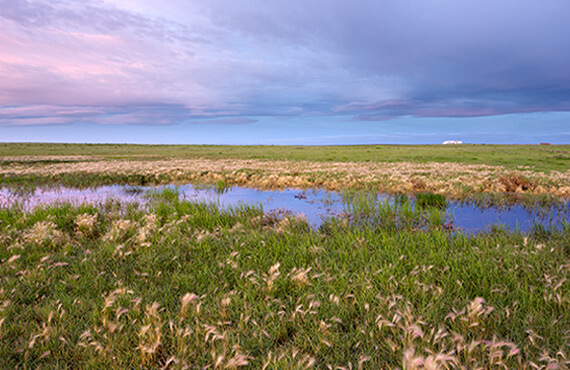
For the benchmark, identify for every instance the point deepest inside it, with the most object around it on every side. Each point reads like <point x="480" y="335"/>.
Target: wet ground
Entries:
<point x="316" y="205"/>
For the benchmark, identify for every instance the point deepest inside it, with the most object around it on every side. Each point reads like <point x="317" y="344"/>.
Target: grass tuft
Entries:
<point x="425" y="200"/>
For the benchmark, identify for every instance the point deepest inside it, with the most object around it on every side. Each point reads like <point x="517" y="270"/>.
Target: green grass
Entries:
<point x="81" y="180"/>
<point x="537" y="157"/>
<point x="424" y="200"/>
<point x="190" y="284"/>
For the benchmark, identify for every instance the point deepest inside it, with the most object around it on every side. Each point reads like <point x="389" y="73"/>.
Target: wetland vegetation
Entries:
<point x="522" y="174"/>
<point x="187" y="284"/>
<point x="184" y="284"/>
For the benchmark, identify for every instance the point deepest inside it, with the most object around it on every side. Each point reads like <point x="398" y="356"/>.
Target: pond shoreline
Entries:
<point x="473" y="183"/>
<point x="316" y="205"/>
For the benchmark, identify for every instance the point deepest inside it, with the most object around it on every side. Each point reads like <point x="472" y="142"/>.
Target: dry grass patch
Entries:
<point x="451" y="179"/>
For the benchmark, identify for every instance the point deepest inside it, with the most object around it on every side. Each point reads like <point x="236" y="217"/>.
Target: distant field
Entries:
<point x="515" y="173"/>
<point x="537" y="157"/>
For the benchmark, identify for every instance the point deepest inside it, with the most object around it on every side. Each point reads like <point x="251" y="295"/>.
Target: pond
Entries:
<point x="315" y="204"/>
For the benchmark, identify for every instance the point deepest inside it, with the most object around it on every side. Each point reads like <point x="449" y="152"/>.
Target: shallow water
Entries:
<point x="316" y="204"/>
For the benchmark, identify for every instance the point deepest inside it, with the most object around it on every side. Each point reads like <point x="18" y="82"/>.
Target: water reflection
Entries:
<point x="315" y="204"/>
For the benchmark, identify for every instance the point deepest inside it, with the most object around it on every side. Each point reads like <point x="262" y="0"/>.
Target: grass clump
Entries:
<point x="221" y="186"/>
<point x="397" y="213"/>
<point x="516" y="183"/>
<point x="425" y="200"/>
<point x="166" y="194"/>
<point x="182" y="284"/>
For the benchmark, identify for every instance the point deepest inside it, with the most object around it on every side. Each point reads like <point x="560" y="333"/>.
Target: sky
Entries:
<point x="275" y="72"/>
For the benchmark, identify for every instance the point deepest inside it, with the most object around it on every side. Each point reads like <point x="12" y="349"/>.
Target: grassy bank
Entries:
<point x="536" y="157"/>
<point x="481" y="184"/>
<point x="497" y="174"/>
<point x="190" y="285"/>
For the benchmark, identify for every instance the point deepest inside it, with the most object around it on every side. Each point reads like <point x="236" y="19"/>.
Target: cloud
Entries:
<point x="374" y="60"/>
<point x="228" y="121"/>
<point x="45" y="115"/>
<point x="158" y="115"/>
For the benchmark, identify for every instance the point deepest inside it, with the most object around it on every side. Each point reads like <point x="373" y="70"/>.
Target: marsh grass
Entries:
<point x="552" y="157"/>
<point x="390" y="169"/>
<point x="221" y="186"/>
<point x="80" y="180"/>
<point x="180" y="284"/>
<point x="397" y="212"/>
<point x="431" y="200"/>
<point x="133" y="190"/>
<point x="166" y="194"/>
<point x="516" y="182"/>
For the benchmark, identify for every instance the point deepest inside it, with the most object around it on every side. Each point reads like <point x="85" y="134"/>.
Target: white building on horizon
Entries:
<point x="452" y="142"/>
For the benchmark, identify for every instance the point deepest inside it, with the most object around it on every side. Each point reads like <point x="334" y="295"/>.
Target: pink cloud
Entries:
<point x="214" y="59"/>
<point x="65" y="65"/>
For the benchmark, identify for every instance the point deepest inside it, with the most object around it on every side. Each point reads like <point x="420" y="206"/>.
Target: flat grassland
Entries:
<point x="178" y="284"/>
<point x="457" y="171"/>
<point x="512" y="157"/>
